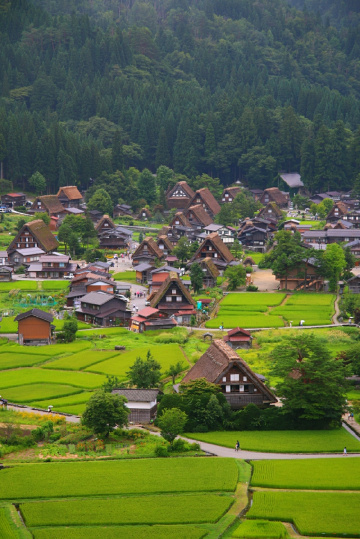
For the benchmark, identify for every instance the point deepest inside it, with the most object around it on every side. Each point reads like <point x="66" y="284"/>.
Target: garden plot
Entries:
<point x="312" y="513"/>
<point x="158" y="509"/>
<point x="79" y="361"/>
<point x="319" y="474"/>
<point x="127" y="532"/>
<point x="11" y="360"/>
<point x="118" y="477"/>
<point x="166" y="355"/>
<point x="287" y="441"/>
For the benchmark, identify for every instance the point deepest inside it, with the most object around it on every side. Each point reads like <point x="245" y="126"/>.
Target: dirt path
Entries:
<point x="337" y="310"/>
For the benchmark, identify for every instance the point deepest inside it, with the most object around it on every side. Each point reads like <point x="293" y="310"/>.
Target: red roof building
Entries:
<point x="238" y="338"/>
<point x="150" y="318"/>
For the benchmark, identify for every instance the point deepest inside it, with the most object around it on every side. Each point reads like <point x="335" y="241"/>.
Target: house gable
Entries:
<point x="34" y="234"/>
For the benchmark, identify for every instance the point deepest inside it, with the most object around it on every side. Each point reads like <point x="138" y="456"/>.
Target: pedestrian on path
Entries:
<point x="345" y="451"/>
<point x="237" y="446"/>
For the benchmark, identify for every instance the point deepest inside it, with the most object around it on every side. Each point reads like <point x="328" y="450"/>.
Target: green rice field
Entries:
<point x="312" y="513"/>
<point x="54" y="285"/>
<point x="257" y="310"/>
<point x="127" y="532"/>
<point x="125" y="276"/>
<point x="9" y="360"/>
<point x="290" y="441"/>
<point x="24" y="394"/>
<point x="319" y="474"/>
<point x="8" y="528"/>
<point x="80" y="360"/>
<point x="260" y="529"/>
<point x="118" y="478"/>
<point x="27" y="376"/>
<point x="63" y="403"/>
<point x="158" y="509"/>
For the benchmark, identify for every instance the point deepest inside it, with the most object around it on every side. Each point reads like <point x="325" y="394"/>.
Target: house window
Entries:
<point x="255" y="390"/>
<point x="241" y="389"/>
<point x="168" y="298"/>
<point x="215" y="255"/>
<point x="61" y="265"/>
<point x="245" y="378"/>
<point x="173" y="291"/>
<point x="234" y="377"/>
<point x="224" y="378"/>
<point x="178" y="298"/>
<point x="228" y="389"/>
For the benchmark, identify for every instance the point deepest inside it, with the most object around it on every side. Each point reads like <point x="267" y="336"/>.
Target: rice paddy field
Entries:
<point x="146" y="498"/>
<point x="257" y="310"/>
<point x="312" y="513"/>
<point x="287" y="441"/>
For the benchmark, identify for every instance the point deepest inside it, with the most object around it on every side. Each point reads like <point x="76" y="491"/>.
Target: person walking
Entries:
<point x="237" y="446"/>
<point x="345" y="451"/>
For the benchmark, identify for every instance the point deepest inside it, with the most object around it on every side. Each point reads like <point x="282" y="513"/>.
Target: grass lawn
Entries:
<point x="260" y="529"/>
<point x="125" y="276"/>
<point x="79" y="361"/>
<point x="158" y="509"/>
<point x="352" y="395"/>
<point x="319" y="474"/>
<point x="286" y="441"/>
<point x="257" y="257"/>
<point x="166" y="355"/>
<point x="24" y="394"/>
<point x="312" y="513"/>
<point x="118" y="477"/>
<point x="11" y="360"/>
<point x="54" y="285"/>
<point x="127" y="532"/>
<point x="20" y="377"/>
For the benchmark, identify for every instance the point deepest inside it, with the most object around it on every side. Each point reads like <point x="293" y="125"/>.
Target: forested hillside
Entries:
<point x="230" y="88"/>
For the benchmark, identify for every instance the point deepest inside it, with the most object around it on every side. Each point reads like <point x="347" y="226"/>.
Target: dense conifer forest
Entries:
<point x="228" y="88"/>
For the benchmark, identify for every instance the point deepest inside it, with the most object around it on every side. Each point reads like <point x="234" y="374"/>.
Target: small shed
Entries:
<point x="35" y="327"/>
<point x="142" y="403"/>
<point x="238" y="338"/>
<point x="6" y="273"/>
<point x="249" y="261"/>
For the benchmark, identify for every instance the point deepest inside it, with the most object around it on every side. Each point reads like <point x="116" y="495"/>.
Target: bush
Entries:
<point x="20" y="269"/>
<point x="161" y="451"/>
<point x="180" y="446"/>
<point x="251" y="288"/>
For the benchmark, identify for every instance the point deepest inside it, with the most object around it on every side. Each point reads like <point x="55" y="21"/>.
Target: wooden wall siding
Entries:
<point x="34" y="328"/>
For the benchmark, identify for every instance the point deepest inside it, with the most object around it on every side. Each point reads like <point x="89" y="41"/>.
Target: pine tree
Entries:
<point x="117" y="154"/>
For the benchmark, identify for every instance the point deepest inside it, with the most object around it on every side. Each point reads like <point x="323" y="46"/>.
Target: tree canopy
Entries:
<point x="104" y="411"/>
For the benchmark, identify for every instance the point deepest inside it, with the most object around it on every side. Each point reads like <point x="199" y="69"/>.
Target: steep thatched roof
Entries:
<point x="171" y="279"/>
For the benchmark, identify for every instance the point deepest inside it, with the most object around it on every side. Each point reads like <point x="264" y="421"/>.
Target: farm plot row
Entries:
<point x="114" y="478"/>
<point x="312" y="513"/>
<point x="321" y="441"/>
<point x="33" y="285"/>
<point x="125" y="532"/>
<point x="251" y="310"/>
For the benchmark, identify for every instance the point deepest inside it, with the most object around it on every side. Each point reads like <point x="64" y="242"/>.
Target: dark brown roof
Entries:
<point x="137" y="395"/>
<point x="208" y="198"/>
<point x="219" y="245"/>
<point x="37" y="313"/>
<point x="340" y="206"/>
<point x="185" y="186"/>
<point x="43" y="235"/>
<point x="218" y="357"/>
<point x="102" y="220"/>
<point x="232" y="190"/>
<point x="169" y="246"/>
<point x="272" y="206"/>
<point x="146" y="211"/>
<point x="152" y="246"/>
<point x="200" y="214"/>
<point x="51" y="203"/>
<point x="172" y="278"/>
<point x="275" y="195"/>
<point x="70" y="191"/>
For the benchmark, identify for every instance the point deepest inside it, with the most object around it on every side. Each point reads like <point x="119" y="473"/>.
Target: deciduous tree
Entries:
<point x="145" y="373"/>
<point x="172" y="423"/>
<point x="104" y="412"/>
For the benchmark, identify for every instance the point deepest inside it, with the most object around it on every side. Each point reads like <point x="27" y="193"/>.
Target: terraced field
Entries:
<point x="179" y="498"/>
<point x="250" y="310"/>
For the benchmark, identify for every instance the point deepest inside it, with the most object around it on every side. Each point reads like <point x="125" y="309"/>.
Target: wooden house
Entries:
<point x="148" y="251"/>
<point x="11" y="200"/>
<point x="105" y="224"/>
<point x="91" y="284"/>
<point x="210" y="271"/>
<point x="179" y="196"/>
<point x="51" y="267"/>
<point x="6" y="273"/>
<point x="49" y="204"/>
<point x="151" y="319"/>
<point x="4" y="258"/>
<point x="180" y="219"/>
<point x="142" y="272"/>
<point x="23" y="257"/>
<point x="198" y="217"/>
<point x="34" y="234"/>
<point x="115" y="238"/>
<point x="103" y="309"/>
<point x="293" y="183"/>
<point x="226" y="233"/>
<point x="271" y="211"/>
<point x="304" y="277"/>
<point x="238" y="338"/>
<point x="164" y="244"/>
<point x="142" y="403"/>
<point x="273" y="194"/>
<point x="213" y="247"/>
<point x="158" y="276"/>
<point x="354" y="284"/>
<point x="221" y="365"/>
<point x="174" y="299"/>
<point x="254" y="237"/>
<point x="121" y="210"/>
<point x="229" y="193"/>
<point x="338" y="211"/>
<point x="95" y="215"/>
<point x="69" y="196"/>
<point x="206" y="199"/>
<point x="34" y="327"/>
<point x="144" y="215"/>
